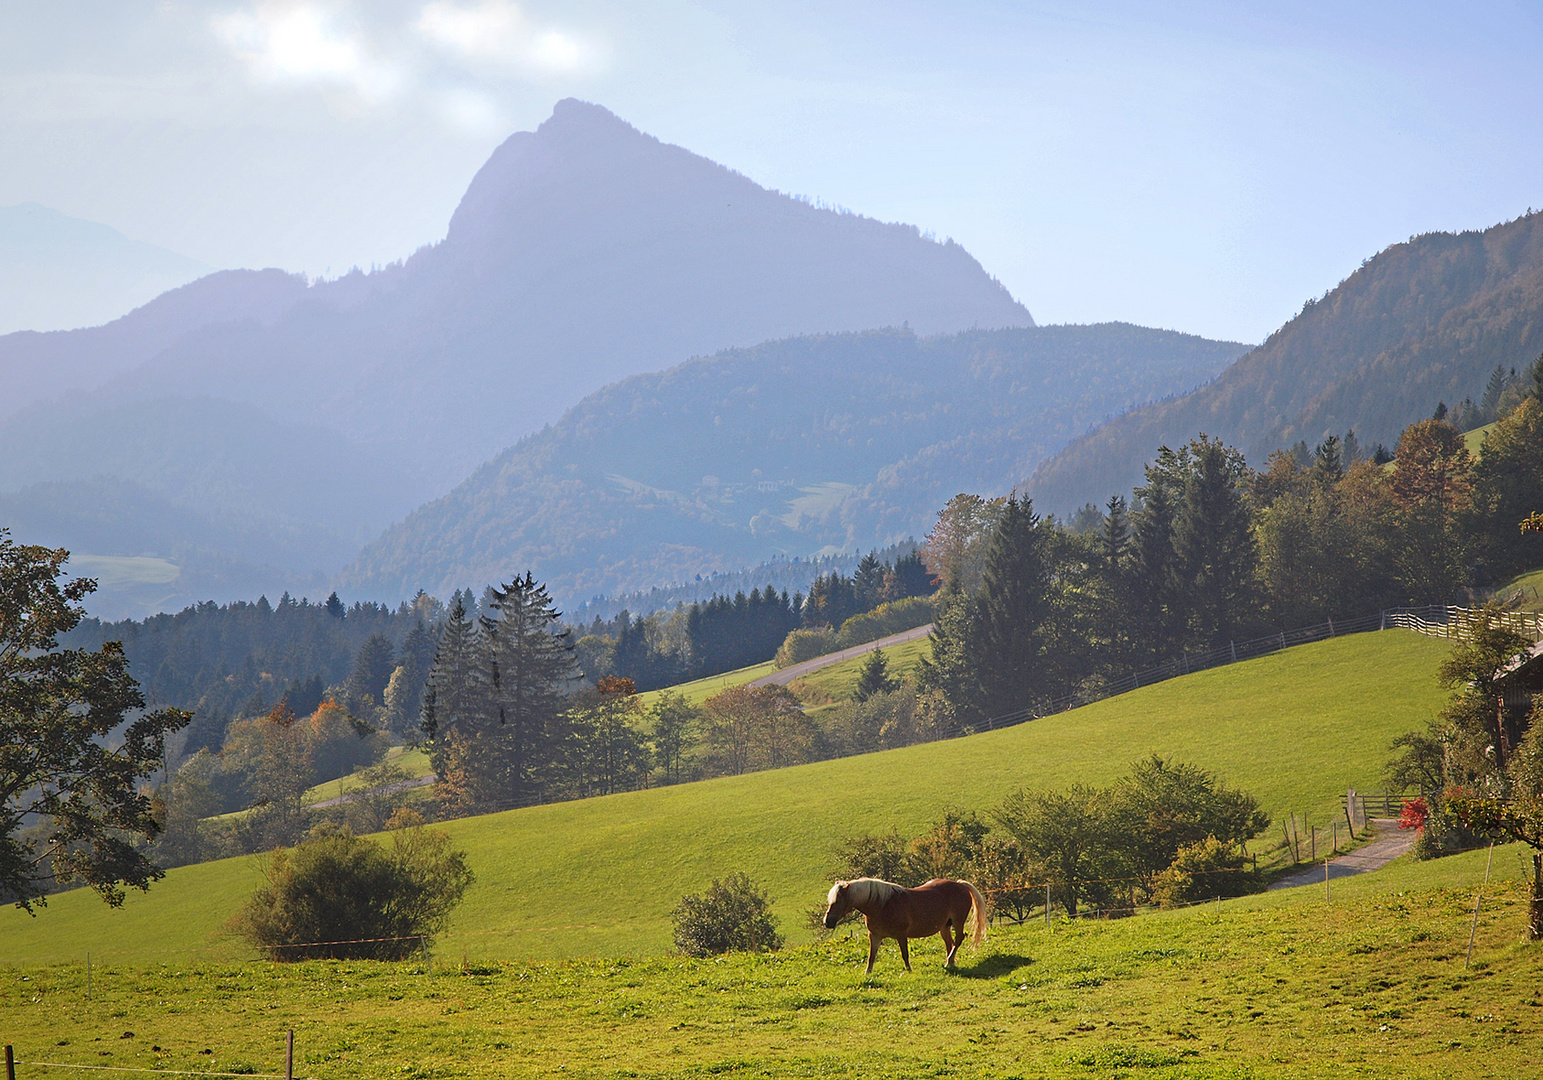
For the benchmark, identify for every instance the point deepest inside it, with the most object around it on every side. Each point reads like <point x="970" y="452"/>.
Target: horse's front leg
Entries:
<point x="873" y="948"/>
<point x="905" y="951"/>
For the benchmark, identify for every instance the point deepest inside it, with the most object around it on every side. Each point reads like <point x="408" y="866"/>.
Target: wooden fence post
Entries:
<point x="1047" y="905"/>
<point x="289" y="1056"/>
<point x="10" y="1063"/>
<point x="1474" y="929"/>
<point x="1326" y="899"/>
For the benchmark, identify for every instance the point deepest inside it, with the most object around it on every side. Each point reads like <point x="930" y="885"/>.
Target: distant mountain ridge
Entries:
<point x="794" y="447"/>
<point x="1421" y="322"/>
<point x="582" y="253"/>
<point x="59" y="272"/>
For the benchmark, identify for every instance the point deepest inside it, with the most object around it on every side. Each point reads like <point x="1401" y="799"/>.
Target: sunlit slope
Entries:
<point x="600" y="876"/>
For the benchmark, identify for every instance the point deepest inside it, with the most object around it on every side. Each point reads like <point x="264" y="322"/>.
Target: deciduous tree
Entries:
<point x="74" y="742"/>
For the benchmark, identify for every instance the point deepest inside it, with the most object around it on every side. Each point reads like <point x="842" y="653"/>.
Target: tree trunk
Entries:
<point x="1535" y="910"/>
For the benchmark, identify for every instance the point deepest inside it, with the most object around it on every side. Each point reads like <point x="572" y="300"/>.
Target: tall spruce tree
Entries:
<point x="453" y="699"/>
<point x="1213" y="541"/>
<point x="372" y="670"/>
<point x="1156" y="607"/>
<point x="868" y="582"/>
<point x="990" y="652"/>
<point x="530" y="669"/>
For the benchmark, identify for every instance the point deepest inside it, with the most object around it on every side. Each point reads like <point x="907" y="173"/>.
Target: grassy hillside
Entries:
<point x="1530" y="585"/>
<point x="1373" y="984"/>
<point x="836" y="682"/>
<point x="599" y="877"/>
<point x="699" y="690"/>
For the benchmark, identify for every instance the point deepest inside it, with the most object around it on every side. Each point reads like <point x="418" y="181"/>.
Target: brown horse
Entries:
<point x="893" y="911"/>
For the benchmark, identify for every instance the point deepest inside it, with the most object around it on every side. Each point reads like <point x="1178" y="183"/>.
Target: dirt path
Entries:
<point x="1391" y="842"/>
<point x="787" y="675"/>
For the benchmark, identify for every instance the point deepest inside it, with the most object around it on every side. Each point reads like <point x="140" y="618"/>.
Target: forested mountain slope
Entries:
<point x="841" y="441"/>
<point x="1421" y="322"/>
<point x="582" y="252"/>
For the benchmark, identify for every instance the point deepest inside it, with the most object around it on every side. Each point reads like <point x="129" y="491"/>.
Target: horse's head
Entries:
<point x="840" y="902"/>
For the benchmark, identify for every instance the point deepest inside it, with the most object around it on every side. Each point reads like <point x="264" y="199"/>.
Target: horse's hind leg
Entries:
<point x="905" y="951"/>
<point x="950" y="945"/>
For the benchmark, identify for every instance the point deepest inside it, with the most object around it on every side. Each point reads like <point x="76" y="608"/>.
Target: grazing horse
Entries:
<point x="893" y="911"/>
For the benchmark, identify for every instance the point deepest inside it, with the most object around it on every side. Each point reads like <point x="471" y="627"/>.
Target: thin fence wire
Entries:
<point x="145" y="1069"/>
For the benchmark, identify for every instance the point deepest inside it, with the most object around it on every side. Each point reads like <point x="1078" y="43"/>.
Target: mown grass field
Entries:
<point x="599" y="877"/>
<point x="1373" y="984"/>
<point x="414" y="762"/>
<point x="836" y="682"/>
<point x="699" y="690"/>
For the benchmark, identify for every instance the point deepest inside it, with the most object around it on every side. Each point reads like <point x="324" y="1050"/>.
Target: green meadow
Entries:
<point x="599" y="877"/>
<point x="699" y="690"/>
<point x="837" y="681"/>
<point x="1376" y="983"/>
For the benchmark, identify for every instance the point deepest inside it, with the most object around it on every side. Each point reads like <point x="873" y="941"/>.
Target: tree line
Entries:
<point x="1209" y="551"/>
<point x="726" y="633"/>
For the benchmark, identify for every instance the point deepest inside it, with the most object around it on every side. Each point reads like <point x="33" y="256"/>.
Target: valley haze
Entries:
<point x="254" y="429"/>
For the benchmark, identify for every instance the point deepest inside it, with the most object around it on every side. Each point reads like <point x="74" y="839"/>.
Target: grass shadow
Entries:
<point x="994" y="966"/>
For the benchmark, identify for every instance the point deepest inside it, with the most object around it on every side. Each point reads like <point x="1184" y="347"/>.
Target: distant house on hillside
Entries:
<point x="1520" y="683"/>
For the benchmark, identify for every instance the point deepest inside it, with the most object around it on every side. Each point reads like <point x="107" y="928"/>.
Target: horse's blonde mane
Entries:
<point x="866" y="890"/>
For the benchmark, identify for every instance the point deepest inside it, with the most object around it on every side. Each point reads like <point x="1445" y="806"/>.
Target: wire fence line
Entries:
<point x="147" y="1069"/>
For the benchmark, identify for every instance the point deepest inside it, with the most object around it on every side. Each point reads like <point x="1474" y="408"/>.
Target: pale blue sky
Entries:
<point x="1205" y="167"/>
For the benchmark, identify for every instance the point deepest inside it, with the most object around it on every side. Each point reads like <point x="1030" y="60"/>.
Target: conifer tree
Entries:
<point x="1155" y="606"/>
<point x="989" y="651"/>
<point x="372" y="670"/>
<point x="1213" y="541"/>
<point x="1116" y="531"/>
<point x="530" y="668"/>
<point x="868" y="583"/>
<point x="873" y="677"/>
<point x="453" y="702"/>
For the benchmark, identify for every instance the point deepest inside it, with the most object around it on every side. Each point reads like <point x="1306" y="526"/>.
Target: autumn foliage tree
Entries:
<point x="757" y="727"/>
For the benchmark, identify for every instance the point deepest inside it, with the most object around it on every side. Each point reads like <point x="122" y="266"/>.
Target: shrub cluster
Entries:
<point x="337" y="895"/>
<point x="1166" y="833"/>
<point x="732" y="915"/>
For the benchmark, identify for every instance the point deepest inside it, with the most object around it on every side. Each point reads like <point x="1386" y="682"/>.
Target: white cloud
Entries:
<point x="473" y="112"/>
<point x="498" y="32"/>
<point x="302" y="43"/>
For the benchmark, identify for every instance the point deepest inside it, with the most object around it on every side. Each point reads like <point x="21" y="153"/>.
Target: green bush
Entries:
<point x="337" y="895"/>
<point x="733" y="915"/>
<point x="801" y="645"/>
<point x="884" y="620"/>
<point x="1204" y="870"/>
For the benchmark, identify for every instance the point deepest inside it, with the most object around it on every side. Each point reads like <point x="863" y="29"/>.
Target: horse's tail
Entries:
<point x="977" y="919"/>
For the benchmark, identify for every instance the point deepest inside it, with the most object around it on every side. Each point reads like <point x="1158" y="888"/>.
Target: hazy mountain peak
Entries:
<point x="59" y="272"/>
<point x="583" y="252"/>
